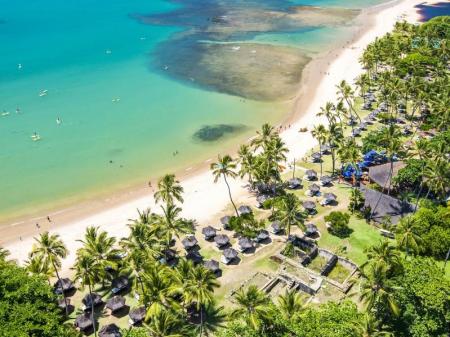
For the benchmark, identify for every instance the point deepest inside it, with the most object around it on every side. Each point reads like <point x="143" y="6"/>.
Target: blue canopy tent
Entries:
<point x="373" y="157"/>
<point x="349" y="171"/>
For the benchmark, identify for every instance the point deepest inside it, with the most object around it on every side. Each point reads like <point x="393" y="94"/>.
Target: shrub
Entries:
<point x="339" y="224"/>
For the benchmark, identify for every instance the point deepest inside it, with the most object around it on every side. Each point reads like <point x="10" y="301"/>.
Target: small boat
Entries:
<point x="236" y="48"/>
<point x="35" y="137"/>
<point x="19" y="66"/>
<point x="5" y="113"/>
<point x="115" y="100"/>
<point x="166" y="67"/>
<point x="43" y="93"/>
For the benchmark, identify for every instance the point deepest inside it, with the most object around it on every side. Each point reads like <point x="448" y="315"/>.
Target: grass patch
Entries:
<point x="339" y="273"/>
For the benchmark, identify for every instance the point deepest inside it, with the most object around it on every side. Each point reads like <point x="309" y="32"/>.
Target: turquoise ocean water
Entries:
<point x="121" y="116"/>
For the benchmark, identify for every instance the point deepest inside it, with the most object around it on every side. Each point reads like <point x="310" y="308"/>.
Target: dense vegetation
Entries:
<point x="402" y="290"/>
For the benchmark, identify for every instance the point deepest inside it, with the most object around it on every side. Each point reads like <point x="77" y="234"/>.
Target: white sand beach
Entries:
<point x="204" y="200"/>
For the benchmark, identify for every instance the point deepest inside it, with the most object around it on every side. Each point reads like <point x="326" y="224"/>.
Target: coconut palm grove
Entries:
<point x="352" y="240"/>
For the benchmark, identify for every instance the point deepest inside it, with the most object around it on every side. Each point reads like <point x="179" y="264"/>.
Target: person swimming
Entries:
<point x="58" y="121"/>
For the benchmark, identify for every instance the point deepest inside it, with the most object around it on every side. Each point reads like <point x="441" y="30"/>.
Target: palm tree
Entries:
<point x="371" y="327"/>
<point x="136" y="262"/>
<point x="37" y="265"/>
<point x="253" y="306"/>
<point x="87" y="270"/>
<point x="4" y="253"/>
<point x="289" y="212"/>
<point x="157" y="290"/>
<point x="264" y="136"/>
<point x="50" y="250"/>
<point x="170" y="224"/>
<point x="408" y="238"/>
<point x="225" y="167"/>
<point x="376" y="290"/>
<point x="290" y="303"/>
<point x="329" y="112"/>
<point x="320" y="133"/>
<point x="166" y="324"/>
<point x="334" y="137"/>
<point x="213" y="317"/>
<point x="247" y="161"/>
<point x="200" y="289"/>
<point x="100" y="246"/>
<point x="169" y="190"/>
<point x="385" y="255"/>
<point x="346" y="94"/>
<point x="438" y="178"/>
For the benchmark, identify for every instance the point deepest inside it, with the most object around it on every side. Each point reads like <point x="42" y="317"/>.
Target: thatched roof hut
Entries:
<point x="189" y="242"/>
<point x="294" y="183"/>
<point x="276" y="227"/>
<point x="328" y="198"/>
<point x="356" y="132"/>
<point x="225" y="221"/>
<point x="194" y="256"/>
<point x="209" y="232"/>
<point x="325" y="180"/>
<point x="229" y="255"/>
<point x="84" y="322"/>
<point x="212" y="265"/>
<point x="110" y="330"/>
<point x="262" y="235"/>
<point x="64" y="285"/>
<point x="379" y="174"/>
<point x="310" y="175"/>
<point x="137" y="315"/>
<point x="90" y="299"/>
<point x="325" y="149"/>
<point x="261" y="199"/>
<point x="245" y="244"/>
<point x="221" y="240"/>
<point x="383" y="205"/>
<point x="244" y="210"/>
<point x="116" y="303"/>
<point x="309" y="206"/>
<point x="313" y="189"/>
<point x="311" y="229"/>
<point x="119" y="284"/>
<point x="316" y="157"/>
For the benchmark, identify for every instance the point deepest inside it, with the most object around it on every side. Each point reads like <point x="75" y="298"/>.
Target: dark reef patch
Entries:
<point x="211" y="133"/>
<point x="429" y="11"/>
<point x="216" y="49"/>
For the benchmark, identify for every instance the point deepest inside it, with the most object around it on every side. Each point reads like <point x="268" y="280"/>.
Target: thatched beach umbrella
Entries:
<point x="325" y="180"/>
<point x="189" y="242"/>
<point x="261" y="199"/>
<point x="116" y="303"/>
<point x="119" y="284"/>
<point x="356" y="132"/>
<point x="311" y="229"/>
<point x="313" y="189"/>
<point x="328" y="198"/>
<point x="229" y="255"/>
<point x="225" y="221"/>
<point x="212" y="265"/>
<point x="309" y="206"/>
<point x="84" y="322"/>
<point x="326" y="148"/>
<point x="245" y="244"/>
<point x="110" y="330"/>
<point x="244" y="210"/>
<point x="90" y="299"/>
<point x="316" y="157"/>
<point x="294" y="183"/>
<point x="62" y="303"/>
<point x="221" y="240"/>
<point x="63" y="285"/>
<point x="262" y="235"/>
<point x="310" y="175"/>
<point x="276" y="227"/>
<point x="137" y="315"/>
<point x="209" y="232"/>
<point x="194" y="256"/>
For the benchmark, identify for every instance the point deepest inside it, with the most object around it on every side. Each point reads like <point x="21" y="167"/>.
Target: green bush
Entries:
<point x="338" y="224"/>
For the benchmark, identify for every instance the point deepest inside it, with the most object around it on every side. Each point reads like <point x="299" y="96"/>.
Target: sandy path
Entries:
<point x="204" y="200"/>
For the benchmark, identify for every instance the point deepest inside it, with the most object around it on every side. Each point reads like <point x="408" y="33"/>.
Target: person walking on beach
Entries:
<point x="48" y="218"/>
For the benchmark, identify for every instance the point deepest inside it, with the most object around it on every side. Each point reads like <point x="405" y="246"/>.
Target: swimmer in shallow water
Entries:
<point x="58" y="121"/>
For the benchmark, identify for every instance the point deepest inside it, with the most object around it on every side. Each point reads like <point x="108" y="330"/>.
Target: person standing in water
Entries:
<point x="58" y="121"/>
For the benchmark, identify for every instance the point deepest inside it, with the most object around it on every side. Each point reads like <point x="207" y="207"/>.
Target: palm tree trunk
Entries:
<point x="229" y="194"/>
<point x="333" y="162"/>
<point x="142" y="288"/>
<point x="201" y="321"/>
<point x="62" y="288"/>
<point x="320" y="152"/>
<point x="92" y="310"/>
